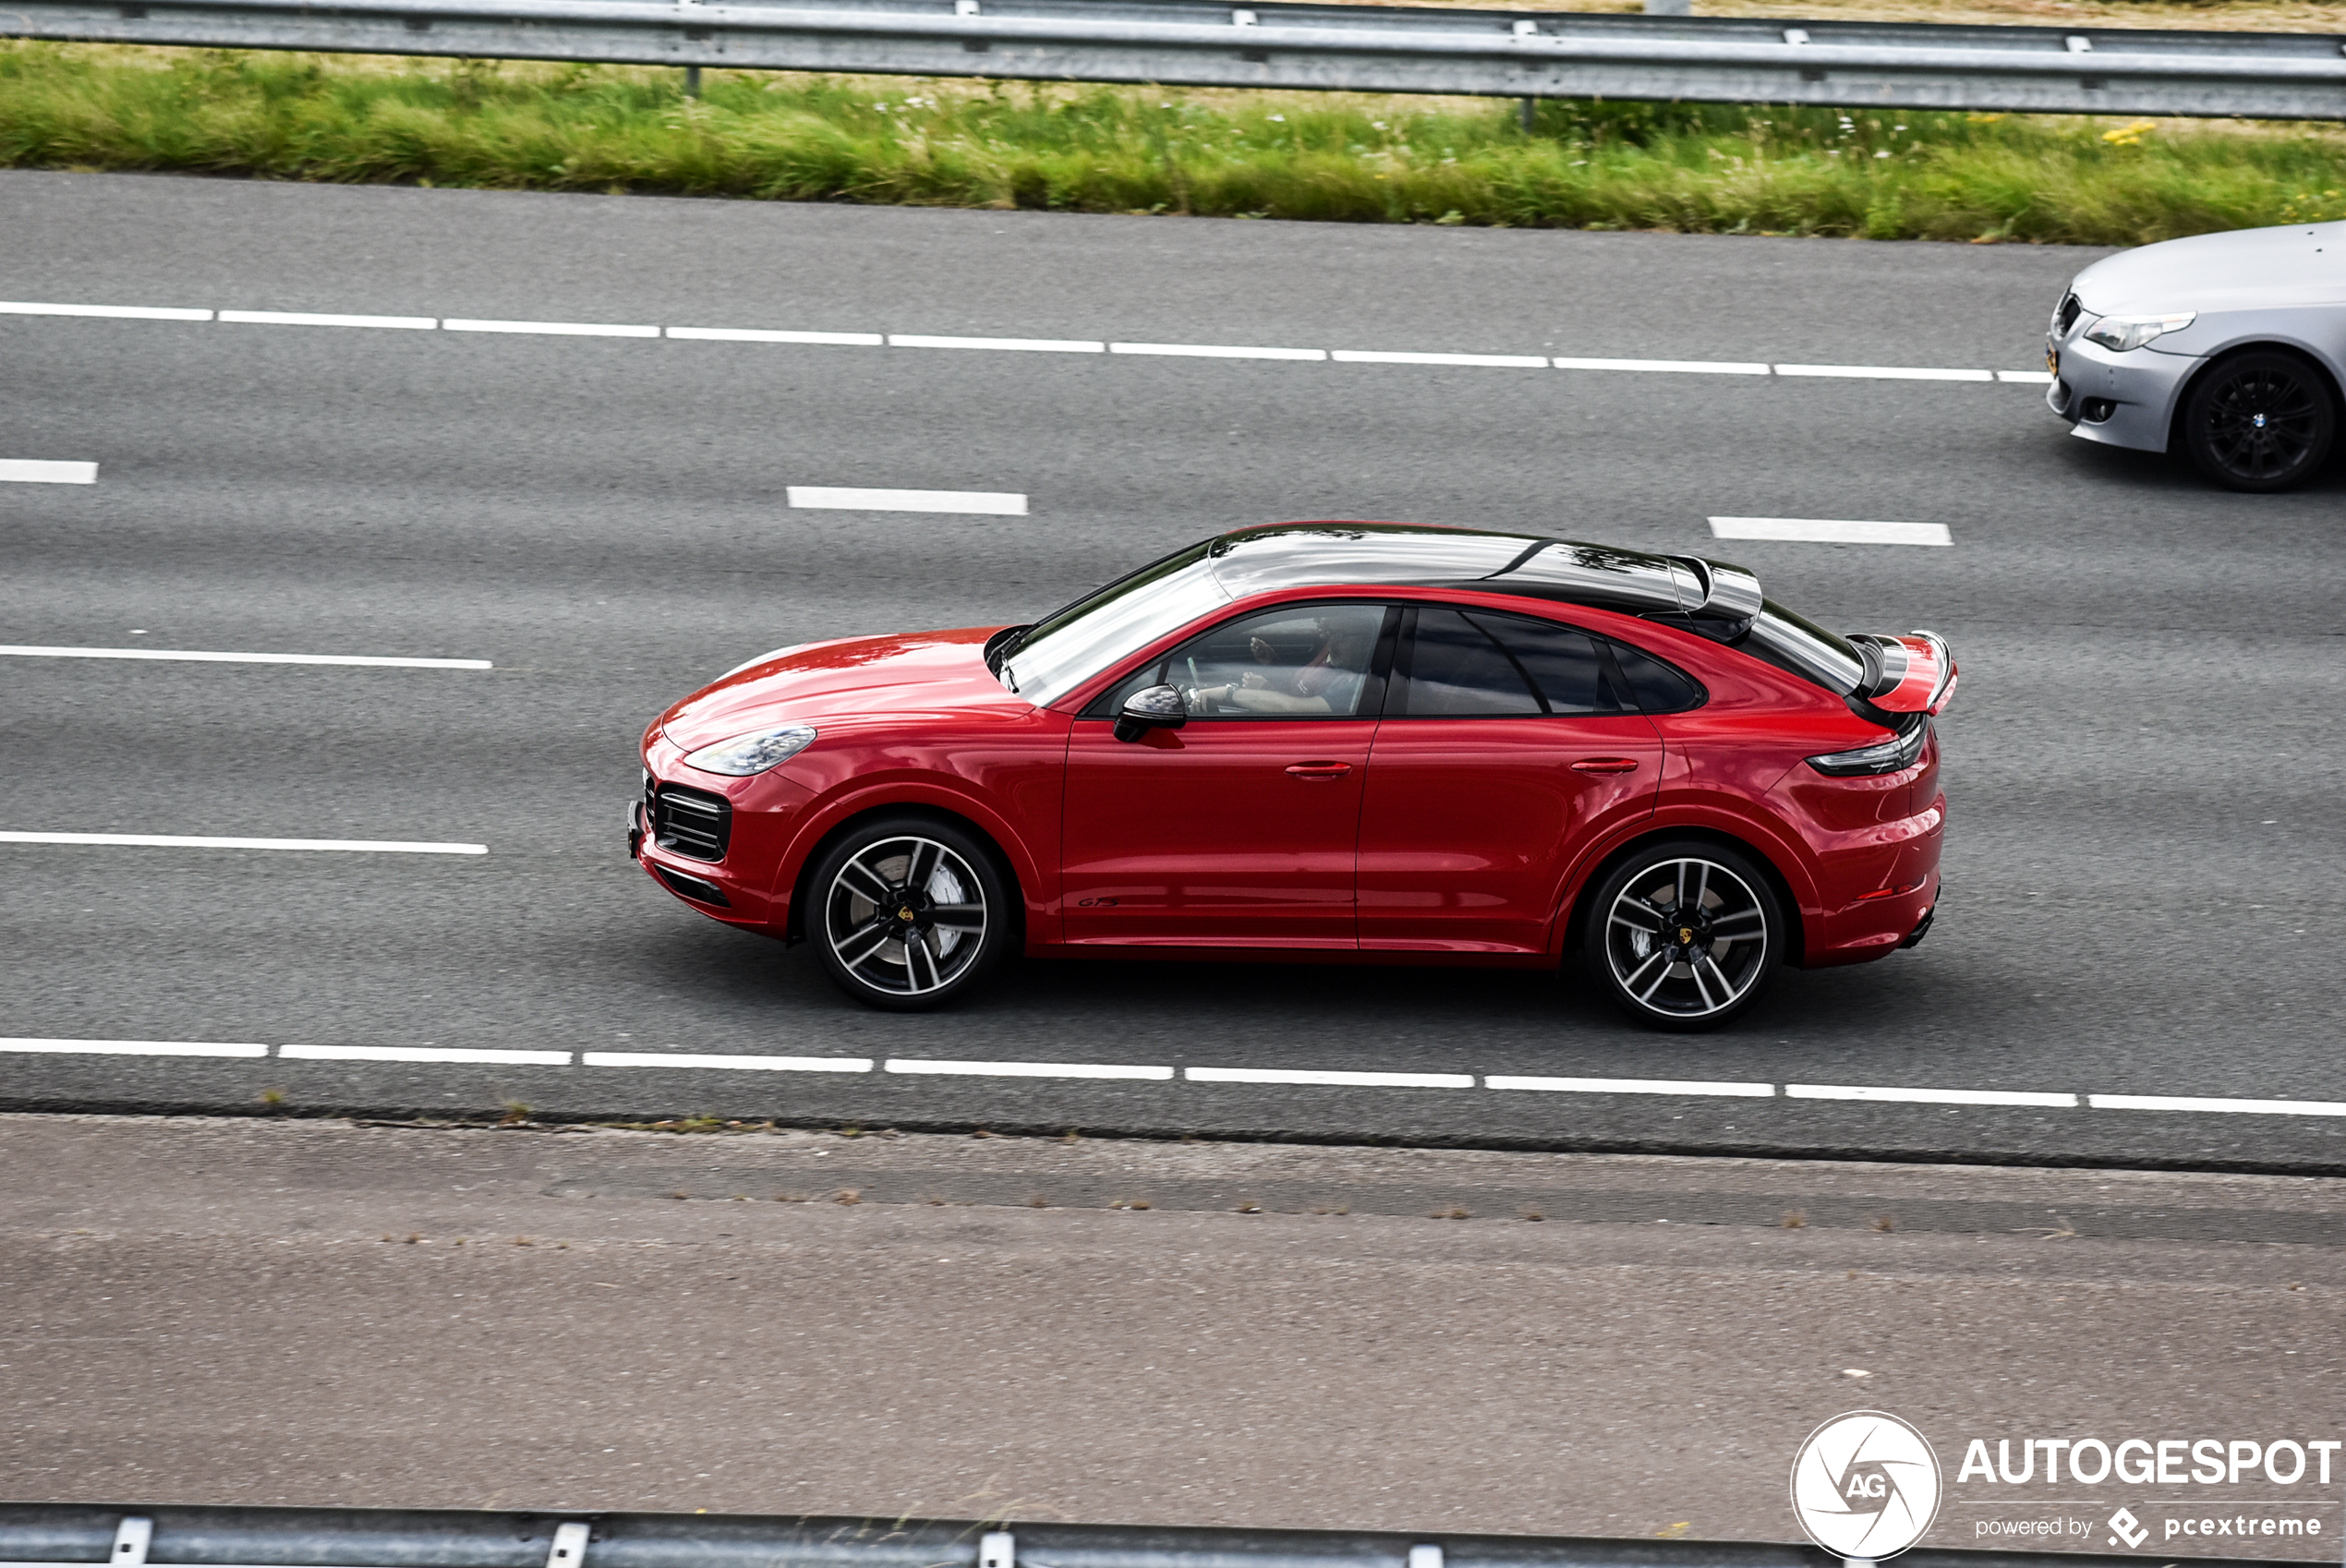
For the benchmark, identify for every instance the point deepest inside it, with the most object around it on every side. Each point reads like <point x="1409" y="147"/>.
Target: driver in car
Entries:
<point x="1327" y="682"/>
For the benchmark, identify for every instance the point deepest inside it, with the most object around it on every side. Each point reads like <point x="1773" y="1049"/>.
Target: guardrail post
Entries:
<point x="1428" y="1556"/>
<point x="997" y="1549"/>
<point x="131" y="1538"/>
<point x="569" y="1549"/>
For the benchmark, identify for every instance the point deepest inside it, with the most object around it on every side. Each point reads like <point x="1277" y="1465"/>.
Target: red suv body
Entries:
<point x="1333" y="742"/>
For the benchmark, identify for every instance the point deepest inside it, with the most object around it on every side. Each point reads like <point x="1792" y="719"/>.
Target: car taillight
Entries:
<point x="1893" y="755"/>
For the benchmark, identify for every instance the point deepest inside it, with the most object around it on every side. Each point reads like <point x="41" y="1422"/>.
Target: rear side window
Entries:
<point x="1455" y="670"/>
<point x="1566" y="667"/>
<point x="1654" y="685"/>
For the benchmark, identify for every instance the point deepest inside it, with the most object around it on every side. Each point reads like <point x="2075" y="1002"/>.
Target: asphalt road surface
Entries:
<point x="213" y="1311"/>
<point x="2142" y="899"/>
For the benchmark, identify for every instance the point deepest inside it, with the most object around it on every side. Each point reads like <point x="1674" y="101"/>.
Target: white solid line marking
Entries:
<point x="1633" y="1086"/>
<point x="743" y="1063"/>
<point x="2027" y="377"/>
<point x="366" y="661"/>
<point x="1340" y="1080"/>
<point x="554" y="329"/>
<point x="1687" y="366"/>
<point x="1024" y="1069"/>
<point x="1831" y="531"/>
<point x="178" y="841"/>
<point x="2198" y="1103"/>
<point x="1014" y="346"/>
<point x="320" y="318"/>
<point x="132" y="1048"/>
<point x="753" y="334"/>
<point x="1368" y="356"/>
<point x="1886" y="372"/>
<point x="421" y="1053"/>
<point x="31" y="470"/>
<point x="836" y="498"/>
<point x="1928" y="1096"/>
<point x="1215" y="350"/>
<point x="124" y="313"/>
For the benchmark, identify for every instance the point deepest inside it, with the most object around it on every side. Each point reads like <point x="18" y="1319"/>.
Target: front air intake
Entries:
<point x="692" y="823"/>
<point x="699" y="889"/>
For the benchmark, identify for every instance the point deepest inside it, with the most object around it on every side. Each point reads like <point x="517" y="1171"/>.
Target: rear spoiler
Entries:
<point x="1914" y="673"/>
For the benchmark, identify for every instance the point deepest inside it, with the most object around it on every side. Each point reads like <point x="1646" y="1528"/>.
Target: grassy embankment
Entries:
<point x="1336" y="157"/>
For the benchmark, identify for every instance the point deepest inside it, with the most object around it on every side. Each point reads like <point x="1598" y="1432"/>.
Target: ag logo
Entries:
<point x="1866" y="1485"/>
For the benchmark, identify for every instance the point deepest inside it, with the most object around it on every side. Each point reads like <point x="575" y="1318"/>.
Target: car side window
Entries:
<point x="1566" y="668"/>
<point x="1453" y="668"/>
<point x="1298" y="661"/>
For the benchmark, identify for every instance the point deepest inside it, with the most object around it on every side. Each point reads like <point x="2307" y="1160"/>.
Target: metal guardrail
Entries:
<point x="44" y="1535"/>
<point x="1351" y="48"/>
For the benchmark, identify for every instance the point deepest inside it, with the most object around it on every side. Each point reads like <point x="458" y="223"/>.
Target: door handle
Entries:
<point x="1606" y="764"/>
<point x="1322" y="770"/>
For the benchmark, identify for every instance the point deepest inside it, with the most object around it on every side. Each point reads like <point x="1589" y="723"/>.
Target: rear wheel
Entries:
<point x="1685" y="935"/>
<point x="908" y="912"/>
<point x="2259" y="421"/>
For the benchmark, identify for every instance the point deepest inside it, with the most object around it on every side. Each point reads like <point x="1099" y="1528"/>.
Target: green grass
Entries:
<point x="1335" y="158"/>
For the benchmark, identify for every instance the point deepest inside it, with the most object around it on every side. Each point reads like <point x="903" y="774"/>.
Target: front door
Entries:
<point x="1502" y="752"/>
<point x="1238" y="828"/>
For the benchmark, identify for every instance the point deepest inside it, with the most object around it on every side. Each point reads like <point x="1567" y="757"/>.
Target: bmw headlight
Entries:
<point x="2123" y="333"/>
<point x="752" y="752"/>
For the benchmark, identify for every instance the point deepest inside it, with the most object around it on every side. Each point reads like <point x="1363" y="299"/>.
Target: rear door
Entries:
<point x="1504" y="748"/>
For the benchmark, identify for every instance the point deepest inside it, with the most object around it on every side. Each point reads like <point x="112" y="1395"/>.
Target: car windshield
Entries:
<point x="1805" y="648"/>
<point x="1067" y="646"/>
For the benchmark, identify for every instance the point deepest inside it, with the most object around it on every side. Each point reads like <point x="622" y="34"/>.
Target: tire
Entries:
<point x="909" y="912"/>
<point x="2259" y="421"/>
<point x="1638" y="943"/>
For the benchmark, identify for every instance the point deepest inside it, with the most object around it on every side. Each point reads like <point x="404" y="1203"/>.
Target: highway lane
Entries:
<point x="2140" y="773"/>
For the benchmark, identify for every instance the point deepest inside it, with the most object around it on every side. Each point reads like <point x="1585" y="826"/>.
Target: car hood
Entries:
<point x="2245" y="270"/>
<point x="922" y="672"/>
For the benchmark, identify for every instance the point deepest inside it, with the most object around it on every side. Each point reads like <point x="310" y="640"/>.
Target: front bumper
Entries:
<point x="2117" y="399"/>
<point x="738" y="888"/>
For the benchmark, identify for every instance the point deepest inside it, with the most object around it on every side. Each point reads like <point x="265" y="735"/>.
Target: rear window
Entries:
<point x="1803" y="648"/>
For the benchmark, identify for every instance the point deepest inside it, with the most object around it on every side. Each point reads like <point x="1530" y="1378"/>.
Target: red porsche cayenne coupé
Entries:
<point x="1381" y="742"/>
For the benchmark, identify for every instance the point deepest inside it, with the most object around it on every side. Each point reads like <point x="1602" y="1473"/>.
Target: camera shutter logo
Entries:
<point x="1866" y="1485"/>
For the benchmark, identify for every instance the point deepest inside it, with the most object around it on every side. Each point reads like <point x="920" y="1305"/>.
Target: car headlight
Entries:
<point x="752" y="752"/>
<point x="2123" y="333"/>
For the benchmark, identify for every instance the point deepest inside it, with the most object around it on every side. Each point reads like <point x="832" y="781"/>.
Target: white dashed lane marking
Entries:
<point x="1039" y="345"/>
<point x="553" y="329"/>
<point x="29" y="471"/>
<point x="671" y="1061"/>
<point x="1025" y="1069"/>
<point x="185" y="841"/>
<point x="363" y="660"/>
<point x="836" y="498"/>
<point x="1331" y="1079"/>
<point x="440" y="1054"/>
<point x="725" y="1064"/>
<point x="132" y="1048"/>
<point x="1929" y="1096"/>
<point x="314" y="319"/>
<point x="1632" y="1086"/>
<point x="1831" y="531"/>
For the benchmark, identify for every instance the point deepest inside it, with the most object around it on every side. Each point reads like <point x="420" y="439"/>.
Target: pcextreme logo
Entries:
<point x="1866" y="1485"/>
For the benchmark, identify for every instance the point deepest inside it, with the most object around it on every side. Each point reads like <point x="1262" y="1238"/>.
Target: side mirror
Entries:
<point x="1152" y="708"/>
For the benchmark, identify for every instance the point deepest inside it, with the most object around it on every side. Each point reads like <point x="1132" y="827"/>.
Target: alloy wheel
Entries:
<point x="1687" y="938"/>
<point x="2262" y="422"/>
<point x="906" y="916"/>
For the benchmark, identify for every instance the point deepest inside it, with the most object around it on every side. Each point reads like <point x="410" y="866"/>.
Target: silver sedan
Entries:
<point x="2232" y="346"/>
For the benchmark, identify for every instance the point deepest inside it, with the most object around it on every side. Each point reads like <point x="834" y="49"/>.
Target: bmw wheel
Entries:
<point x="908" y="912"/>
<point x="2259" y="421"/>
<point x="1686" y="935"/>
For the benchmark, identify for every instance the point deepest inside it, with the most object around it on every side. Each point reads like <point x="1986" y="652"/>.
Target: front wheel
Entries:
<point x="908" y="912"/>
<point x="2259" y="421"/>
<point x="1685" y="935"/>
